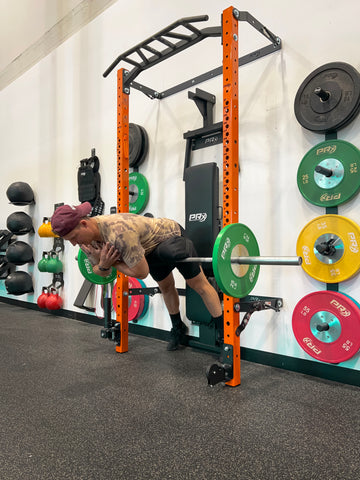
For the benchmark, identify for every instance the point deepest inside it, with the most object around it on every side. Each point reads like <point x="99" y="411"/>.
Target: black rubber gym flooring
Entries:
<point x="73" y="408"/>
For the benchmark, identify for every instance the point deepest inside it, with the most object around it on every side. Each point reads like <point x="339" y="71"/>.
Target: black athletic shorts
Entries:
<point x="162" y="260"/>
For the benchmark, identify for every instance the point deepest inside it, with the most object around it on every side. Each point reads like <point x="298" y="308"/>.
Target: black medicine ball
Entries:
<point x="18" y="283"/>
<point x="19" y="223"/>
<point x="19" y="253"/>
<point x="20" y="193"/>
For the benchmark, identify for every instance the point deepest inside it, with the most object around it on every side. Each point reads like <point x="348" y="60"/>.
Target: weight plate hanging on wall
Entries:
<point x="146" y="301"/>
<point x="138" y="192"/>
<point x="135" y="143"/>
<point x="329" y="174"/>
<point x="144" y="147"/>
<point x="329" y="247"/>
<point x="235" y="240"/>
<point x="326" y="325"/>
<point x="329" y="98"/>
<point x="87" y="272"/>
<point x="136" y="302"/>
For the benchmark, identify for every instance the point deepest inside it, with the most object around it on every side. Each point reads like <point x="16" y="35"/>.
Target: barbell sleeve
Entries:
<point x="249" y="260"/>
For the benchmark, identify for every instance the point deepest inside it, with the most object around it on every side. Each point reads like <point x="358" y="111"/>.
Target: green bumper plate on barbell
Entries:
<point x="139" y="192"/>
<point x="326" y="325"/>
<point x="329" y="174"/>
<point x="235" y="240"/>
<point x="87" y="272"/>
<point x="329" y="247"/>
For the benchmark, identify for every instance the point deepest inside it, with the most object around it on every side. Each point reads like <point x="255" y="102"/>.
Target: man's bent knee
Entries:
<point x="167" y="284"/>
<point x="199" y="283"/>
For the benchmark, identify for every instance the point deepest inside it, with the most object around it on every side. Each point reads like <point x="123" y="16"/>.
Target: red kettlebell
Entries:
<point x="41" y="301"/>
<point x="54" y="301"/>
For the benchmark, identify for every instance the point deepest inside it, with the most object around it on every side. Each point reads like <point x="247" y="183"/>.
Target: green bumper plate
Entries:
<point x="235" y="240"/>
<point x="329" y="174"/>
<point x="139" y="192"/>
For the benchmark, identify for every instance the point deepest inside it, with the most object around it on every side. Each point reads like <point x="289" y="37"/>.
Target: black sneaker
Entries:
<point x="176" y="334"/>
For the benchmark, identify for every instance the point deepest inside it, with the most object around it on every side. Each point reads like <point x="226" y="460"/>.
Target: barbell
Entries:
<point x="236" y="262"/>
<point x="248" y="260"/>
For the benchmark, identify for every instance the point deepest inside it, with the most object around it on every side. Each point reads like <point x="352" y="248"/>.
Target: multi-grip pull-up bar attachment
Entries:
<point x="175" y="41"/>
<point x="138" y="55"/>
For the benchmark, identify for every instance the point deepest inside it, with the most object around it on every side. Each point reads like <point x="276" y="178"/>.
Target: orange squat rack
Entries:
<point x="231" y="172"/>
<point x="229" y="70"/>
<point x="122" y="288"/>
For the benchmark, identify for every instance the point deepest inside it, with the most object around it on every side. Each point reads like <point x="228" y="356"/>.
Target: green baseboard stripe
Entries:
<point x="299" y="365"/>
<point x="322" y="370"/>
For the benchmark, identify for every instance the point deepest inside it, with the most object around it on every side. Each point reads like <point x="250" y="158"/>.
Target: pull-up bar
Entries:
<point x="172" y="48"/>
<point x="138" y="56"/>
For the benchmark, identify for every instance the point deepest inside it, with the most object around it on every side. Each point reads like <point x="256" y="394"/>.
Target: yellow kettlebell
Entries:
<point x="45" y="229"/>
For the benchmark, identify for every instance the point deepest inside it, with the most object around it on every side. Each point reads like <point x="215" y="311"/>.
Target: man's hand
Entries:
<point x="108" y="256"/>
<point x="101" y="257"/>
<point x="92" y="252"/>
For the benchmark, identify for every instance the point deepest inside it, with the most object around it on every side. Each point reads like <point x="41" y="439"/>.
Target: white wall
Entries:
<point x="54" y="114"/>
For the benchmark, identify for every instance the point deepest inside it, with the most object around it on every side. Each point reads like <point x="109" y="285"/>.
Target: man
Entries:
<point x="136" y="246"/>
